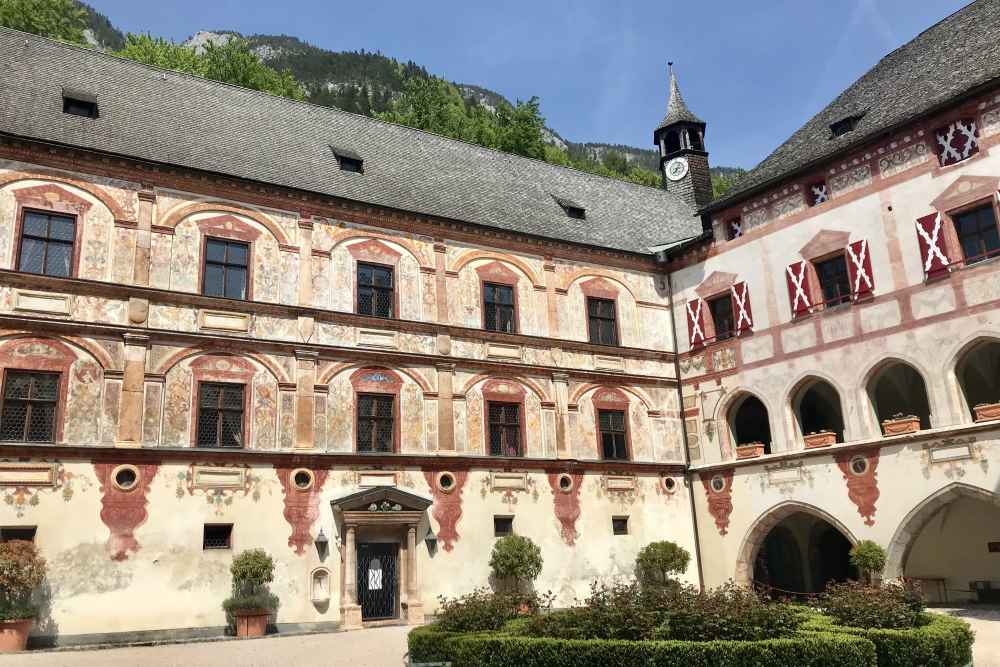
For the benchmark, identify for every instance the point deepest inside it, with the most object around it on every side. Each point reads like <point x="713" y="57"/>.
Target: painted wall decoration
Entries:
<point x="859" y="471"/>
<point x="625" y="490"/>
<point x="566" y="503"/>
<point x="447" y="507"/>
<point x="24" y="496"/>
<point x="509" y="486"/>
<point x="124" y="510"/>
<point x="219" y="497"/>
<point x="301" y="505"/>
<point x="719" y="495"/>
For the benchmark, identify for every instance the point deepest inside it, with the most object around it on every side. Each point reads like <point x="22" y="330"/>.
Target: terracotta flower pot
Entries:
<point x="14" y="634"/>
<point x="251" y="622"/>
<point x="900" y="425"/>
<point x="821" y="439"/>
<point x="987" y="412"/>
<point x="750" y="450"/>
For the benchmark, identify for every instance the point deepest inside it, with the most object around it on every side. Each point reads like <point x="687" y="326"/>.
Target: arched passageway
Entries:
<point x="817" y="409"/>
<point x="897" y="389"/>
<point x="748" y="422"/>
<point x="950" y="546"/>
<point x="800" y="555"/>
<point x="978" y="373"/>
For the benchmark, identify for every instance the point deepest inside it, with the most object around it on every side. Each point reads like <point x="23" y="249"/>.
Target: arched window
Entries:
<point x="748" y="423"/>
<point x="897" y="393"/>
<point x="978" y="373"/>
<point x="817" y="409"/>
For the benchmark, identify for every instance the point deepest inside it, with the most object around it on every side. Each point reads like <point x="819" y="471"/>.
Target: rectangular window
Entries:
<point x="80" y="105"/>
<point x="47" y="244"/>
<point x="977" y="232"/>
<point x="834" y="281"/>
<point x="375" y="290"/>
<point x="217" y="536"/>
<point x="29" y="406"/>
<point x="613" y="435"/>
<point x="10" y="533"/>
<point x="722" y="316"/>
<point x="505" y="428"/>
<point x="226" y="268"/>
<point x="220" y="414"/>
<point x="602" y="326"/>
<point x="498" y="307"/>
<point x="619" y="525"/>
<point x="503" y="526"/>
<point x="375" y="423"/>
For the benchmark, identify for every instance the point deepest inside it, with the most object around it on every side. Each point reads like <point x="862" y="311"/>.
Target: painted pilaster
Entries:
<point x="446" y="408"/>
<point x="414" y="606"/>
<point x="143" y="238"/>
<point x="305" y="396"/>
<point x="560" y="384"/>
<point x="441" y="283"/>
<point x="305" y="262"/>
<point x="130" y="405"/>
<point x="350" y="610"/>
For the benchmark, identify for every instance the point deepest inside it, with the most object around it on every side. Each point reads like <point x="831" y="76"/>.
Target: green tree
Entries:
<point x="58" y="19"/>
<point x="723" y="182"/>
<point x="516" y="560"/>
<point x="658" y="561"/>
<point x="520" y="129"/>
<point x="163" y="53"/>
<point x="869" y="558"/>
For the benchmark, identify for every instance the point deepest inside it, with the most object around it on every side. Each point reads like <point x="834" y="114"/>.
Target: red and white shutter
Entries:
<point x="957" y="141"/>
<point x="741" y="308"/>
<point x="696" y="323"/>
<point x="798" y="287"/>
<point x="859" y="269"/>
<point x="933" y="252"/>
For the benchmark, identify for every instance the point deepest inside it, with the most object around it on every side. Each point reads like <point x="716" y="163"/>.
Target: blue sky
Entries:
<point x="755" y="71"/>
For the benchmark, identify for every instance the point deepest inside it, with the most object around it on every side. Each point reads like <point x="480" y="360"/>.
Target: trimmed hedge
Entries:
<point x="942" y="641"/>
<point x="814" y="649"/>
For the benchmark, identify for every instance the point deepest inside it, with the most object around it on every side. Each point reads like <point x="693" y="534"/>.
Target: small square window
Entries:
<point x="503" y="526"/>
<point x="817" y="193"/>
<point x="217" y="536"/>
<point x="26" y="533"/>
<point x="619" y="525"/>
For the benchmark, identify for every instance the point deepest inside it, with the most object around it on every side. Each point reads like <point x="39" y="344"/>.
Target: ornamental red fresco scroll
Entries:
<point x="301" y="489"/>
<point x="447" y="507"/>
<point x="862" y="480"/>
<point x="123" y="504"/>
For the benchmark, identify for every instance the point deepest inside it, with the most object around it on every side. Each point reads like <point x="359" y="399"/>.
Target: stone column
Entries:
<point x="414" y="606"/>
<point x="350" y="610"/>
<point x="560" y="384"/>
<point x="132" y="395"/>
<point x="305" y="381"/>
<point x="305" y="262"/>
<point x="446" y="408"/>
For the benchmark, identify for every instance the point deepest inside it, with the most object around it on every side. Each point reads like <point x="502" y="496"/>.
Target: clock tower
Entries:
<point x="680" y="138"/>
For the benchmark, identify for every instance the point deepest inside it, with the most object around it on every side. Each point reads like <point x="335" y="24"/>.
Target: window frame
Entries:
<point x="506" y="518"/>
<point x="972" y="207"/>
<point x="505" y="428"/>
<point x="229" y="536"/>
<point x="393" y="292"/>
<point x="248" y="283"/>
<point x="710" y="302"/>
<point x="393" y="417"/>
<point x="56" y="412"/>
<point x="614" y="320"/>
<point x="485" y="285"/>
<point x="599" y="410"/>
<point x="19" y="240"/>
<point x="244" y="412"/>
<point x="822" y="302"/>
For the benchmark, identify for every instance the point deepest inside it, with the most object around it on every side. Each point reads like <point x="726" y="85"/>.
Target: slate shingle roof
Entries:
<point x="677" y="108"/>
<point x="951" y="58"/>
<point x="182" y="120"/>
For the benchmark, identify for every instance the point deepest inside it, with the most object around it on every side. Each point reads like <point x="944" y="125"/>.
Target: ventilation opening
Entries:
<point x="841" y="127"/>
<point x="572" y="209"/>
<point x="348" y="160"/>
<point x="217" y="536"/>
<point x="503" y="526"/>
<point x="79" y="104"/>
<point x="619" y="525"/>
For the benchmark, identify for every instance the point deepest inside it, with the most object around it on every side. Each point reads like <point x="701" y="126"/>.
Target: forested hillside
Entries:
<point x="364" y="82"/>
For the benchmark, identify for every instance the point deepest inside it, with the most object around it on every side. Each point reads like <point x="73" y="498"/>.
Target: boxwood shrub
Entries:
<point x="939" y="641"/>
<point x="814" y="649"/>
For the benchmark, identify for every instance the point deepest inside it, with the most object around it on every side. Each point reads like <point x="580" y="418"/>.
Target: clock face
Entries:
<point x="677" y="169"/>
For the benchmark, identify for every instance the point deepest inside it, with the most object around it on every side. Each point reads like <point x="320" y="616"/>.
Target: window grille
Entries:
<point x="217" y="536"/>
<point x="505" y="429"/>
<point x="47" y="244"/>
<point x="613" y="435"/>
<point x="29" y="406"/>
<point x="220" y="414"/>
<point x="375" y="423"/>
<point x="375" y="290"/>
<point x="498" y="307"/>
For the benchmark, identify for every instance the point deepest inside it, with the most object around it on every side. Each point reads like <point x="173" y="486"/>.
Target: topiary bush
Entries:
<point x="252" y="571"/>
<point x="658" y="561"/>
<point x="862" y="606"/>
<point x="22" y="570"/>
<point x="516" y="560"/>
<point x="869" y="558"/>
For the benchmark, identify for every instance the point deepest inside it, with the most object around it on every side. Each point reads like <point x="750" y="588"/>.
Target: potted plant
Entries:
<point x="987" y="412"/>
<point x="251" y="603"/>
<point x="515" y="561"/>
<point x="21" y="571"/>
<point x="900" y="424"/>
<point x="823" y="438"/>
<point x="749" y="450"/>
<point x="869" y="558"/>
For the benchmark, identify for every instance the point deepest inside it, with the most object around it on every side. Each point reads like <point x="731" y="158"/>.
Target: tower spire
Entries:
<point x="677" y="109"/>
<point x="680" y="138"/>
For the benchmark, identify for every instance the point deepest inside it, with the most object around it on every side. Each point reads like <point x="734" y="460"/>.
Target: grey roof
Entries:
<point x="953" y="57"/>
<point x="183" y="120"/>
<point x="677" y="109"/>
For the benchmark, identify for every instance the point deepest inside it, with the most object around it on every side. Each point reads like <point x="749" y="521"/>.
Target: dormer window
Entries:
<point x="573" y="210"/>
<point x="78" y="103"/>
<point x="348" y="160"/>
<point x="841" y="127"/>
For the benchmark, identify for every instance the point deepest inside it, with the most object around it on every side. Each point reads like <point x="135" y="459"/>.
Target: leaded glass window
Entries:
<point x="220" y="414"/>
<point x="29" y="406"/>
